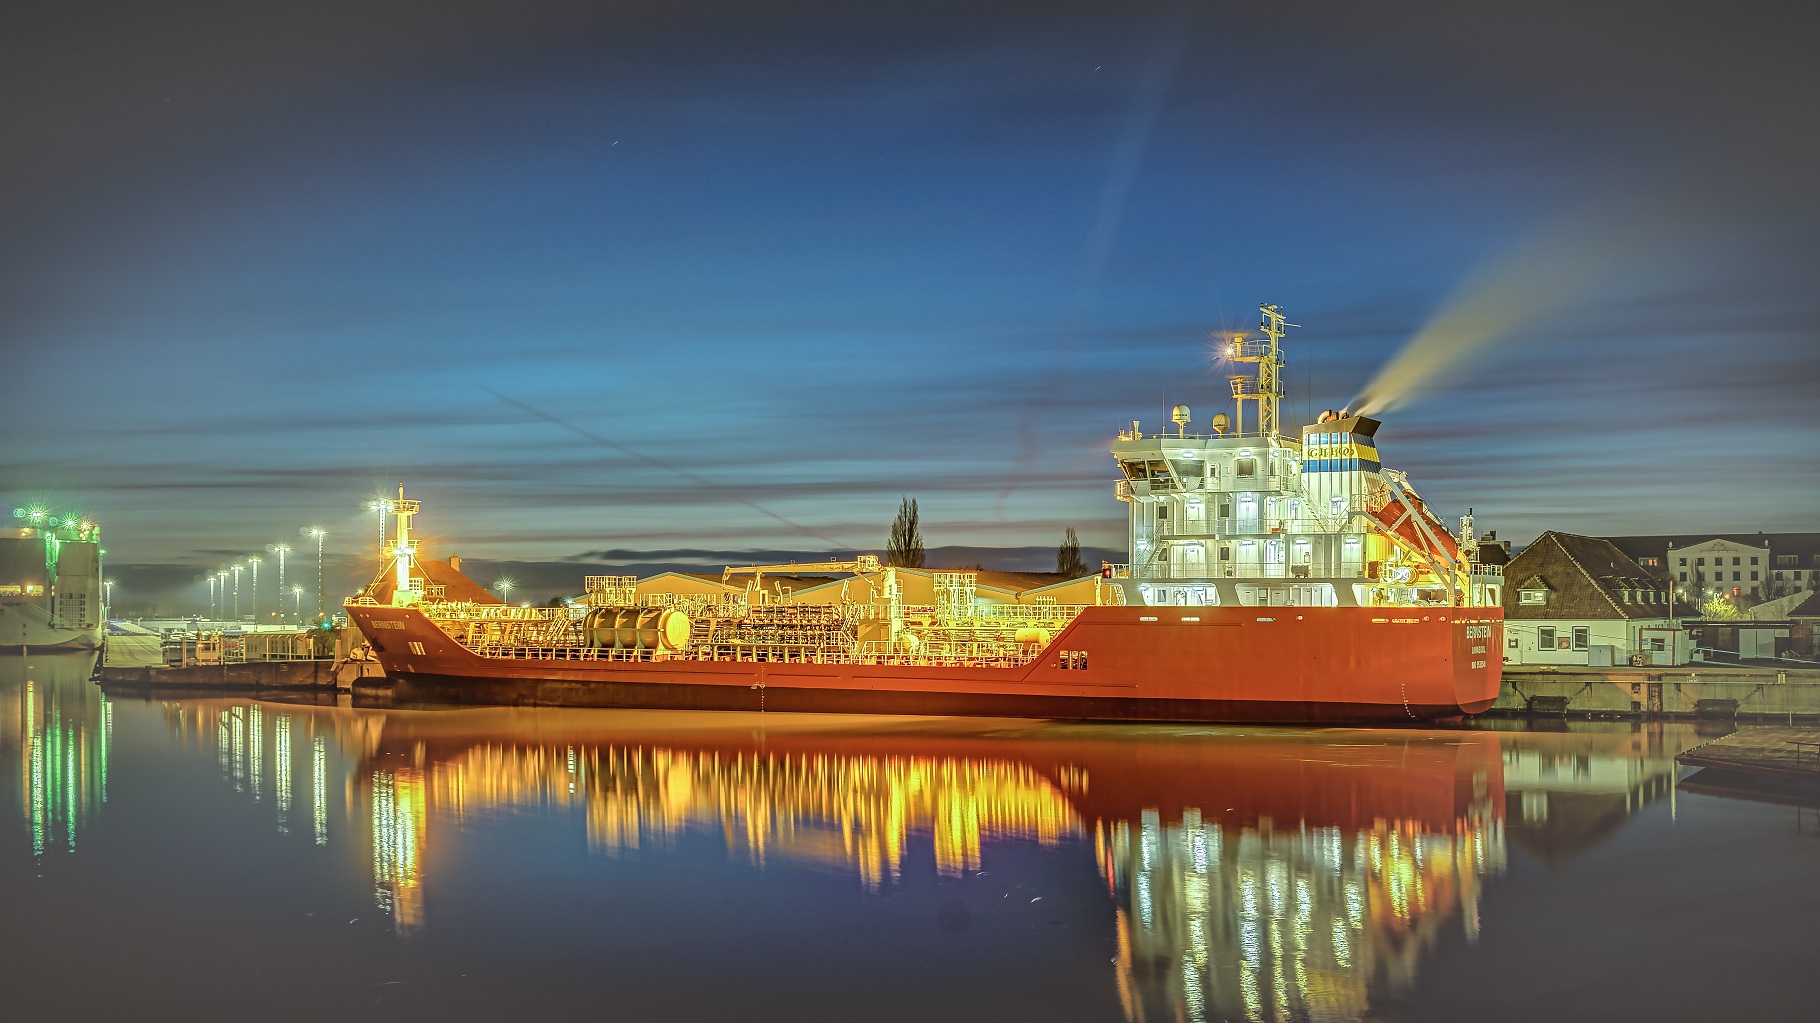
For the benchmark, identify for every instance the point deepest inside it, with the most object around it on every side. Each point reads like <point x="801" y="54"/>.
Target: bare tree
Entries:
<point x="1068" y="556"/>
<point x="906" y="547"/>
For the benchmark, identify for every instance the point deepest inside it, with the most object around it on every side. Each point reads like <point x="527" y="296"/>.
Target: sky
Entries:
<point x="628" y="286"/>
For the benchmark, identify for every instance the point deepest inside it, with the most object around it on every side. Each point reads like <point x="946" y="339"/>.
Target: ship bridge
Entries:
<point x="1263" y="517"/>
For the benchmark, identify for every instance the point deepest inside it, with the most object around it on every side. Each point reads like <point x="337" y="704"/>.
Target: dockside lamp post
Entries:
<point x="254" y="561"/>
<point x="381" y="507"/>
<point x="237" y="568"/>
<point x="297" y="600"/>
<point x="280" y="549"/>
<point x="107" y="598"/>
<point x="504" y="586"/>
<point x="320" y="534"/>
<point x="211" y="595"/>
<point x="222" y="574"/>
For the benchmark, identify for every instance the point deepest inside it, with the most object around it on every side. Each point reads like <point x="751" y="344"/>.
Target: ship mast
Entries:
<point x="1265" y="389"/>
<point x="402" y="510"/>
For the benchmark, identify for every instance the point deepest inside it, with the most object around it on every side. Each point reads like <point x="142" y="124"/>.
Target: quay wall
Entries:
<point x="1685" y="692"/>
<point x="320" y="674"/>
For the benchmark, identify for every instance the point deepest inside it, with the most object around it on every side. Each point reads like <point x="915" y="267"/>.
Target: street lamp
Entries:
<point x="382" y="507"/>
<point x="107" y="597"/>
<point x="320" y="534"/>
<point x="297" y="599"/>
<point x="504" y="586"/>
<point x="253" y="560"/>
<point x="280" y="549"/>
<point x="237" y="567"/>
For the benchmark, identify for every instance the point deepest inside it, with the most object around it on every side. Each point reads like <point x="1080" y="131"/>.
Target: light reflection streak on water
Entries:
<point x="63" y="760"/>
<point x="319" y="789"/>
<point x="398" y="828"/>
<point x="255" y="750"/>
<point x="281" y="771"/>
<point x="237" y="743"/>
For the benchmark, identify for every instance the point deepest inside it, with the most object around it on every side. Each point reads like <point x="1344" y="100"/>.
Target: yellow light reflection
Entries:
<point x="853" y="810"/>
<point x="398" y="823"/>
<point x="1273" y="925"/>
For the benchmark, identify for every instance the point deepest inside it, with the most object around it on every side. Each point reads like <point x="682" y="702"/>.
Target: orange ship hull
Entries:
<point x="1214" y="664"/>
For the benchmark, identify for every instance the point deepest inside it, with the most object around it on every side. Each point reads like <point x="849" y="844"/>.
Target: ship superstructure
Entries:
<point x="1225" y="529"/>
<point x="1260" y="517"/>
<point x="50" y="581"/>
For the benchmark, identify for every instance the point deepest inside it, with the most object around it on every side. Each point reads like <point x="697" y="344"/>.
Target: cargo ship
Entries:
<point x="50" y="582"/>
<point x="1271" y="578"/>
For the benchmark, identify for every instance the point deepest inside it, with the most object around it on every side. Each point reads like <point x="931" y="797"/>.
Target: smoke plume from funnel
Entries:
<point x="1535" y="281"/>
<point x="1531" y="282"/>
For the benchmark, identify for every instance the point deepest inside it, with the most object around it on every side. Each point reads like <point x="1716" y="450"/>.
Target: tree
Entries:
<point x="1068" y="556"/>
<point x="1719" y="608"/>
<point x="906" y="547"/>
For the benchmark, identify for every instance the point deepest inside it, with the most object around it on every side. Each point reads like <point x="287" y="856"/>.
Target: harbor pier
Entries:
<point x="1688" y="691"/>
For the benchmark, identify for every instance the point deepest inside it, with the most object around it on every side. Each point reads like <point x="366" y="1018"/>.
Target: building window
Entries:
<point x="1684" y="577"/>
<point x="1753" y="561"/>
<point x="1734" y="561"/>
<point x="1699" y="561"/>
<point x="1787" y="559"/>
<point x="1582" y="637"/>
<point x="1656" y="645"/>
<point x="1753" y="575"/>
<point x="1245" y="467"/>
<point x="1532" y="596"/>
<point x="1545" y="638"/>
<point x="1683" y="562"/>
<point x="1736" y="575"/>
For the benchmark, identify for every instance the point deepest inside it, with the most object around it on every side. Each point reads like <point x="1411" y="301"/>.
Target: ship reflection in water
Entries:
<point x="59" y="737"/>
<point x="1263" y="874"/>
<point x="1270" y="874"/>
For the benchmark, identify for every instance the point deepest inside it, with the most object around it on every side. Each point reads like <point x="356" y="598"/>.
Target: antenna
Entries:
<point x="1267" y="388"/>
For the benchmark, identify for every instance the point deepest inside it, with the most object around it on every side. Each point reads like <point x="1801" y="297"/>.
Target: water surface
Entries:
<point x="231" y="857"/>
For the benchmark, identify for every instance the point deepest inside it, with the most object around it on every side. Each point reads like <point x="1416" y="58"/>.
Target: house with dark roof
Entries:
<point x="1580" y="600"/>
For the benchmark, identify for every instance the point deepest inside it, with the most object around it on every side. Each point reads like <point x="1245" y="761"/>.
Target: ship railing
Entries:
<point x="1024" y="613"/>
<point x="1279" y="483"/>
<point x="1488" y="571"/>
<point x="1169" y="435"/>
<point x="450" y="611"/>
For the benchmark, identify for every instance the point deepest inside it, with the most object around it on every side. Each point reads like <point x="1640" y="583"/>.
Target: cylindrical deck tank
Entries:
<point x="1031" y="635"/>
<point x="637" y="628"/>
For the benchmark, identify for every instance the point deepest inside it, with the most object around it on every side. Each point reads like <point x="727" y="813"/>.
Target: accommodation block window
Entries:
<point x="1532" y="596"/>
<point x="1545" y="638"/>
<point x="1582" y="637"/>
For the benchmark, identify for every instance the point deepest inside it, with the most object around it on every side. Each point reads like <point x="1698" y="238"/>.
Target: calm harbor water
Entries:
<point x="230" y="857"/>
